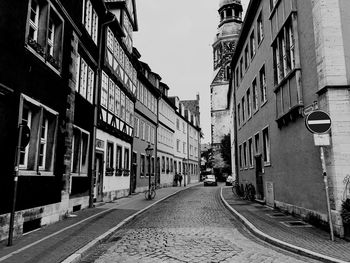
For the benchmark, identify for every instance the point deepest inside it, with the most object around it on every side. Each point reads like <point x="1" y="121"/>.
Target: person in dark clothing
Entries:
<point x="176" y="179"/>
<point x="180" y="179"/>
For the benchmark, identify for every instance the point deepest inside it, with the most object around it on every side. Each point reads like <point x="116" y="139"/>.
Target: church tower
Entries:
<point x="230" y="12"/>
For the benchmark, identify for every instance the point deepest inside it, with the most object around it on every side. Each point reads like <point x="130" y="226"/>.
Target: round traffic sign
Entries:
<point x="318" y="122"/>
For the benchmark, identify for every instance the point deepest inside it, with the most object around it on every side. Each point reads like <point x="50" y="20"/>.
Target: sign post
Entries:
<point x="319" y="123"/>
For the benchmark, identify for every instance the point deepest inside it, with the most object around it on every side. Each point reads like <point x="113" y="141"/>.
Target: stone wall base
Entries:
<point x="113" y="195"/>
<point x="45" y="215"/>
<point x="304" y="213"/>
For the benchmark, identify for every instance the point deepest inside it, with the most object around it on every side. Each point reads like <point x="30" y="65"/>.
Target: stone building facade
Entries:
<point x="224" y="45"/>
<point x="284" y="63"/>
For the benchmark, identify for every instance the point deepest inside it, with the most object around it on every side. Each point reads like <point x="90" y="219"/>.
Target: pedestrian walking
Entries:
<point x="176" y="178"/>
<point x="180" y="179"/>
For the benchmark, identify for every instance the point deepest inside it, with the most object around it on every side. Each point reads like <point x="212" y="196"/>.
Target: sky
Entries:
<point x="175" y="39"/>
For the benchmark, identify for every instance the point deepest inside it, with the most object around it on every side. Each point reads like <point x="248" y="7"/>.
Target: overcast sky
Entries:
<point x="174" y="39"/>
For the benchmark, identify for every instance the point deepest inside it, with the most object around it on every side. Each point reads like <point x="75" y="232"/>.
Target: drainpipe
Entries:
<point x="96" y="103"/>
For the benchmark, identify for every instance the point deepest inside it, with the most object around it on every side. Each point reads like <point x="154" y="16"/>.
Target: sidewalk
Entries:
<point x="66" y="240"/>
<point x="272" y="226"/>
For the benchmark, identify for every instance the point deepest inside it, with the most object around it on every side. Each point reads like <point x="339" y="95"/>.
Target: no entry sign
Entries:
<point x="318" y="122"/>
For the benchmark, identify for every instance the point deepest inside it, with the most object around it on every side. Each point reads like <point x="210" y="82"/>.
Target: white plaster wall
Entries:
<point x="219" y="97"/>
<point x="114" y="183"/>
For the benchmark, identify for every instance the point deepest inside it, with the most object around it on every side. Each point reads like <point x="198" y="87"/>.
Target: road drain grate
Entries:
<point x="295" y="224"/>
<point x="276" y="215"/>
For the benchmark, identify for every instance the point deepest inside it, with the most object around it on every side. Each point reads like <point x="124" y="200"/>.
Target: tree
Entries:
<point x="226" y="152"/>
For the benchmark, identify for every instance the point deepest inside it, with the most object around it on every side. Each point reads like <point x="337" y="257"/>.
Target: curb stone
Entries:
<point x="277" y="242"/>
<point x="76" y="256"/>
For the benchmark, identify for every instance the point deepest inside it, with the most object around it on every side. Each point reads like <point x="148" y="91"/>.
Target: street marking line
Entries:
<point x="276" y="241"/>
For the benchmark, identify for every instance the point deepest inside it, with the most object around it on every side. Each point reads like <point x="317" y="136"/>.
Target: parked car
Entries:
<point x="229" y="180"/>
<point x="210" y="179"/>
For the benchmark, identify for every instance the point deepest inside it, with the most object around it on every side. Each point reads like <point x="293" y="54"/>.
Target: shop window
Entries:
<point x="250" y="152"/>
<point x="109" y="159"/>
<point x="126" y="162"/>
<point x="119" y="161"/>
<point x="80" y="152"/>
<point x="142" y="165"/>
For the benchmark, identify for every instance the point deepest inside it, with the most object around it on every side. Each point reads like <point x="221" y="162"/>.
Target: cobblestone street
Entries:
<point x="192" y="226"/>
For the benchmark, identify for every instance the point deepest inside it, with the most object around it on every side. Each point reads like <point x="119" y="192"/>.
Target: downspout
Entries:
<point x="96" y="103"/>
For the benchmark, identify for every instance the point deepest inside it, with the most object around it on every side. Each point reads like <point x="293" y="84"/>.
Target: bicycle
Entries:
<point x="249" y="192"/>
<point x="236" y="190"/>
<point x="150" y="193"/>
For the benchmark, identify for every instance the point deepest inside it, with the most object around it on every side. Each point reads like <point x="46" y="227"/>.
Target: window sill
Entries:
<point x="34" y="173"/>
<point x="78" y="175"/>
<point x="42" y="58"/>
<point x="267" y="164"/>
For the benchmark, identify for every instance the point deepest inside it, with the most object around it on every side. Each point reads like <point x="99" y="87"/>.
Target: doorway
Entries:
<point x="259" y="177"/>
<point x="98" y="182"/>
<point x="133" y="173"/>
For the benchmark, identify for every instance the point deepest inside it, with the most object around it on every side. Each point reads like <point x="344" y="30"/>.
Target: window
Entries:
<point x="263" y="91"/>
<point x="178" y="124"/>
<point x="45" y="32"/>
<point x="163" y="164"/>
<point x="38" y="155"/>
<point x="122" y="106"/>
<point x="80" y="150"/>
<point x="183" y="127"/>
<point x="117" y="101"/>
<point x="249" y="110"/>
<point x="85" y="81"/>
<point x="142" y="130"/>
<point x="283" y="52"/>
<point x="240" y="157"/>
<point x="104" y="90"/>
<point x="266" y="146"/>
<point x="257" y="144"/>
<point x="250" y="152"/>
<point x="260" y="28"/>
<point x="126" y="162"/>
<point x="255" y="95"/>
<point x="243" y="110"/>
<point x="171" y="165"/>
<point x="272" y="4"/>
<point x="91" y="20"/>
<point x="252" y="44"/>
<point x="245" y="154"/>
<point x="241" y="68"/>
<point x="246" y="57"/>
<point x="152" y="135"/>
<point x="239" y="114"/>
<point x="111" y="96"/>
<point x="118" y="161"/>
<point x="148" y="133"/>
<point x="184" y="147"/>
<point x="142" y="166"/>
<point x="167" y="165"/>
<point x="109" y="159"/>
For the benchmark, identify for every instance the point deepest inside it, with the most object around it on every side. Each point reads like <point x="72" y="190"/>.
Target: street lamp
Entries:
<point x="184" y="160"/>
<point x="149" y="151"/>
